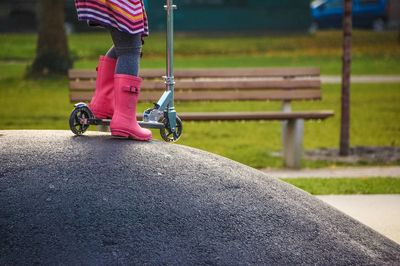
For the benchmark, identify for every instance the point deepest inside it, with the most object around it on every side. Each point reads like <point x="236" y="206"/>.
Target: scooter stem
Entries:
<point x="169" y="79"/>
<point x="170" y="38"/>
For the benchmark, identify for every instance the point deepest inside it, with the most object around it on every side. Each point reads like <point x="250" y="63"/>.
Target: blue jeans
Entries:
<point x="126" y="49"/>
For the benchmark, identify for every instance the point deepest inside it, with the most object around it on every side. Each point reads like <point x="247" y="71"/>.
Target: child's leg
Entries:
<point x="102" y="102"/>
<point x="111" y="53"/>
<point x="127" y="48"/>
<point x="127" y="86"/>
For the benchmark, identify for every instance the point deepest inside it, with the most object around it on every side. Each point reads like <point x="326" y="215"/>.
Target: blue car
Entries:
<point x="366" y="14"/>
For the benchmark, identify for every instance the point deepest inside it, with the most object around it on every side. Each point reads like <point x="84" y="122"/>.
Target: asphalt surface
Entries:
<point x="95" y="200"/>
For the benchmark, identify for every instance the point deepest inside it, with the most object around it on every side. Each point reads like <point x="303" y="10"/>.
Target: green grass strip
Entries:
<point x="329" y="186"/>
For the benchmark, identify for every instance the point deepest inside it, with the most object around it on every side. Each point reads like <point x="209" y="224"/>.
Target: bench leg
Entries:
<point x="292" y="137"/>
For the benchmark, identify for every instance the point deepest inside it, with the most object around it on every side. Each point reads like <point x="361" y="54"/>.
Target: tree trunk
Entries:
<point x="345" y="112"/>
<point x="52" y="55"/>
<point x="398" y="36"/>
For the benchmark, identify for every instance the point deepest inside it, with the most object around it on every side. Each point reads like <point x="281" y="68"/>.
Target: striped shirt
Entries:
<point x="125" y="15"/>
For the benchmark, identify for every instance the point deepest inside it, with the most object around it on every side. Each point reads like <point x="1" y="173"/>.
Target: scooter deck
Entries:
<point x="97" y="121"/>
<point x="106" y="122"/>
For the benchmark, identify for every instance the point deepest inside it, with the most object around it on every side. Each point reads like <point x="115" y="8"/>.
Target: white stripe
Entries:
<point x="94" y="11"/>
<point x="101" y="14"/>
<point x="127" y="2"/>
<point x="111" y="22"/>
<point x="127" y="8"/>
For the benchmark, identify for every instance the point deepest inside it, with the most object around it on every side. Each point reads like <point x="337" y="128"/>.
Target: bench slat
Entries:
<point x="256" y="116"/>
<point x="81" y="74"/>
<point x="243" y="95"/>
<point x="212" y="72"/>
<point x="248" y="72"/>
<point x="216" y="85"/>
<point x="273" y="95"/>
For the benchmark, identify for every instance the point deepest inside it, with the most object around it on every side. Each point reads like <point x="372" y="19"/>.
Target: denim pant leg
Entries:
<point x="127" y="48"/>
<point x="111" y="53"/>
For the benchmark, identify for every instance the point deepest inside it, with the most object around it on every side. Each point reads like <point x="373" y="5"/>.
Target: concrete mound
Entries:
<point x="95" y="200"/>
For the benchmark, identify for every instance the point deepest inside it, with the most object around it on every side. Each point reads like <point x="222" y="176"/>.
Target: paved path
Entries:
<point x="380" y="212"/>
<point x="363" y="79"/>
<point x="350" y="172"/>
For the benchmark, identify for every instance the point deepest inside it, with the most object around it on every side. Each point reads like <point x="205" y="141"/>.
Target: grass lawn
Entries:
<point x="375" y="112"/>
<point x="338" y="186"/>
<point x="373" y="52"/>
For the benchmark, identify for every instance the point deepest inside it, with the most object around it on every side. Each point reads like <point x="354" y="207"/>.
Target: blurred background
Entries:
<point x="220" y="33"/>
<point x="227" y="15"/>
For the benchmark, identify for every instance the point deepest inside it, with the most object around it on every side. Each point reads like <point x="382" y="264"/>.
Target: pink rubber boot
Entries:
<point x="124" y="123"/>
<point x="102" y="103"/>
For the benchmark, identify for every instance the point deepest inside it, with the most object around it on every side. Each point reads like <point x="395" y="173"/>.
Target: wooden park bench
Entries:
<point x="241" y="84"/>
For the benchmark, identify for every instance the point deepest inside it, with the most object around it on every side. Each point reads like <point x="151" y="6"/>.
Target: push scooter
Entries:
<point x="162" y="116"/>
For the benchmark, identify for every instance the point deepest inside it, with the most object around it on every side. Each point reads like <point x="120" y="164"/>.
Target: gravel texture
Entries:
<point x="95" y="200"/>
<point x="358" y="154"/>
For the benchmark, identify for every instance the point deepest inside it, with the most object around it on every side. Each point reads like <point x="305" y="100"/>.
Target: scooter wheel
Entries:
<point x="79" y="120"/>
<point x="166" y="132"/>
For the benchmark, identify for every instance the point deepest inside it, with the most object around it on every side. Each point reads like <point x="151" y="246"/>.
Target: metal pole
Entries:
<point x="170" y="38"/>
<point x="170" y="47"/>
<point x="169" y="80"/>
